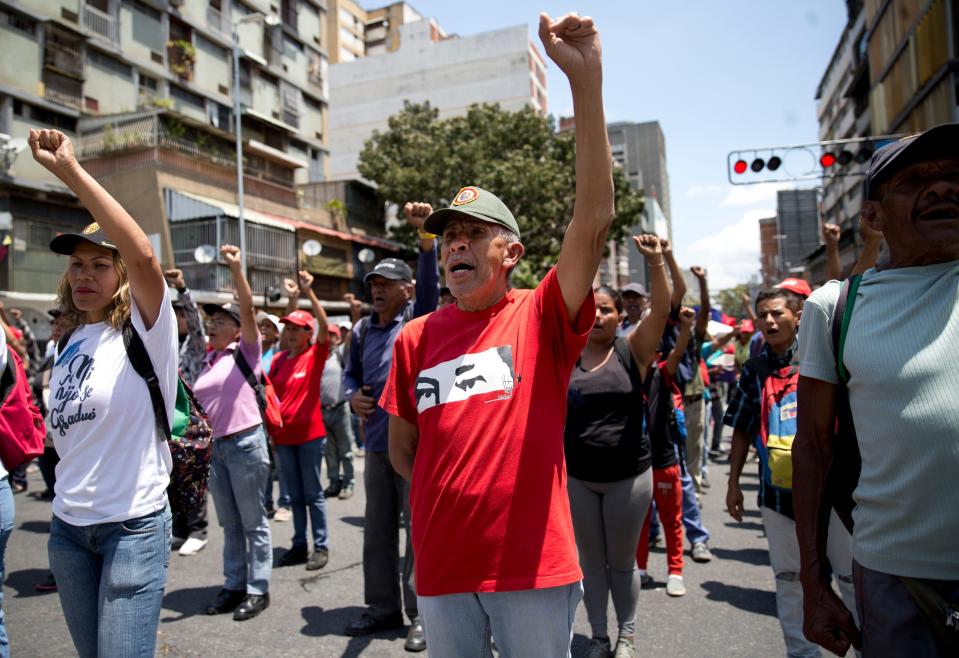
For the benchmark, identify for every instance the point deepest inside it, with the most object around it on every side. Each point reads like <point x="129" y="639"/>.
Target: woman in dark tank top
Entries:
<point x="608" y="454"/>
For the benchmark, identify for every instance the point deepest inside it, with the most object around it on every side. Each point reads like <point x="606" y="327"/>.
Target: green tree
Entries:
<point x="731" y="300"/>
<point x="516" y="155"/>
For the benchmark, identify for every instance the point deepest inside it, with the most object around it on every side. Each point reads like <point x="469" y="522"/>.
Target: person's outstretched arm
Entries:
<point x="686" y="317"/>
<point x="322" y="324"/>
<point x="54" y="150"/>
<point x="676" y="274"/>
<point x="830" y="235"/>
<point x="427" y="265"/>
<point x="249" y="332"/>
<point x="573" y="44"/>
<point x="702" y="318"/>
<point x="645" y="336"/>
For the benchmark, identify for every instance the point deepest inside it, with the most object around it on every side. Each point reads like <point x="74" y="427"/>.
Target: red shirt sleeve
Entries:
<point x="568" y="339"/>
<point x="397" y="397"/>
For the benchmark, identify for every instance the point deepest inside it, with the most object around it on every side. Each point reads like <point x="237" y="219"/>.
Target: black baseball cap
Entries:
<point x="941" y="141"/>
<point x="230" y="309"/>
<point x="391" y="268"/>
<point x="635" y="288"/>
<point x="65" y="243"/>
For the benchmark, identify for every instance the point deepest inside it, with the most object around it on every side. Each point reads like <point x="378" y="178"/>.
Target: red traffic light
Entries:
<point x="740" y="167"/>
<point x="827" y="160"/>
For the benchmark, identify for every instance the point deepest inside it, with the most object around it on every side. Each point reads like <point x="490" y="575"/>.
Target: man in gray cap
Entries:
<point x="896" y="357"/>
<point x="635" y="303"/>
<point x="477" y="400"/>
<point x="387" y="494"/>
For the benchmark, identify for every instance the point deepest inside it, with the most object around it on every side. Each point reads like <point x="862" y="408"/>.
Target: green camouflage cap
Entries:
<point x="477" y="203"/>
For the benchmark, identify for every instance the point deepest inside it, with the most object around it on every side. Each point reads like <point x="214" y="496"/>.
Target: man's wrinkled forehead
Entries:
<point x="946" y="167"/>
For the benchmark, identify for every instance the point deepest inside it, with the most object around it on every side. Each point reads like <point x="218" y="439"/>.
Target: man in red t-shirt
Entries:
<point x="300" y="444"/>
<point x="477" y="399"/>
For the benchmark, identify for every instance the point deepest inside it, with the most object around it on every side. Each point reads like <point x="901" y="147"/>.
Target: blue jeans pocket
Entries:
<point x="141" y="526"/>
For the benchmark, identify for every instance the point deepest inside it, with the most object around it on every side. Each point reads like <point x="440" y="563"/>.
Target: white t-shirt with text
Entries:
<point x="114" y="464"/>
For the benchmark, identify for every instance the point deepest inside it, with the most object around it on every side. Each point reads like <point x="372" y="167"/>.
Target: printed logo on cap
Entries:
<point x="466" y="195"/>
<point x="91" y="228"/>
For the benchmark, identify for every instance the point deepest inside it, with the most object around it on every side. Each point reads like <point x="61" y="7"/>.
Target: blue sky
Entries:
<point x="718" y="76"/>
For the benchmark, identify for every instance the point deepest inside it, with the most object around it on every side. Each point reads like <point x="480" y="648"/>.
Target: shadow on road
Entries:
<point x="356" y="521"/>
<point x="40" y="527"/>
<point x="25" y="581"/>
<point x="757" y="556"/>
<point x="188" y="602"/>
<point x="320" y="622"/>
<point x="752" y="600"/>
<point x="746" y="525"/>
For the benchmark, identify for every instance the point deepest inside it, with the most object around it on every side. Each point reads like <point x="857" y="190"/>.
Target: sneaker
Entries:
<point x="318" y="559"/>
<point x="332" y="491"/>
<point x="192" y="546"/>
<point x="346" y="492"/>
<point x="282" y="514"/>
<point x="296" y="555"/>
<point x="48" y="584"/>
<point x="599" y="647"/>
<point x="705" y="481"/>
<point x="646" y="581"/>
<point x="359" y="452"/>
<point x="675" y="585"/>
<point x="625" y="648"/>
<point x="701" y="552"/>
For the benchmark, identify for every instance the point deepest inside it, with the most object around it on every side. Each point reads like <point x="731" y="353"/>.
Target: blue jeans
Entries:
<point x="110" y="578"/>
<point x="6" y="527"/>
<point x="240" y="468"/>
<point x="300" y="469"/>
<point x="532" y="622"/>
<point x="339" y="445"/>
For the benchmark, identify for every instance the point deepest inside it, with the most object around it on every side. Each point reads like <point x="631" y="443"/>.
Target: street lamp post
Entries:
<point x="238" y="118"/>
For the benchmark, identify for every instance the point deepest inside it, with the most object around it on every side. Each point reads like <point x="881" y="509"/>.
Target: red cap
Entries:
<point x="747" y="326"/>
<point x="300" y="319"/>
<point x="798" y="286"/>
<point x="333" y="329"/>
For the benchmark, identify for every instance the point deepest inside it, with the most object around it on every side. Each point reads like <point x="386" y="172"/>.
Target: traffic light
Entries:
<point x="799" y="162"/>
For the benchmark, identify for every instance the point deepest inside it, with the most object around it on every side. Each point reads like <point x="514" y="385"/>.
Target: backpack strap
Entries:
<point x="250" y="377"/>
<point x="840" y="322"/>
<point x="140" y="360"/>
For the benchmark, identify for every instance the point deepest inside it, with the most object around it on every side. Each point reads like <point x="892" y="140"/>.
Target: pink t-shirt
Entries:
<point x="224" y="393"/>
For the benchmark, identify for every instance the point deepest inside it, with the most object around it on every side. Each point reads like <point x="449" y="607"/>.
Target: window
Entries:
<point x="18" y="21"/>
<point x="220" y="116"/>
<point x="108" y="63"/>
<point x="148" y="83"/>
<point x="291" y="48"/>
<point x="187" y="97"/>
<point x="311" y="102"/>
<point x="147" y="10"/>
<point x="45" y="116"/>
<point x="211" y="48"/>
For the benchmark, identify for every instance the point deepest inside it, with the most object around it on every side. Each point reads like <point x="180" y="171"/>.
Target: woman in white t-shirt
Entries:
<point x="110" y="535"/>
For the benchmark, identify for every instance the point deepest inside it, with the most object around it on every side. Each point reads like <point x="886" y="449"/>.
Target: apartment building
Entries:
<point x="146" y="88"/>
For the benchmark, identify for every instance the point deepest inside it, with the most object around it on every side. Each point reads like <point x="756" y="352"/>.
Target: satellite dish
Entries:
<point x="18" y="144"/>
<point x="312" y="248"/>
<point x="204" y="254"/>
<point x="366" y="255"/>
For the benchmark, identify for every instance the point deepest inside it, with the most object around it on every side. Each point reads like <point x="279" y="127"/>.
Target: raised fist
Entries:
<point x="686" y="317"/>
<point x="667" y="247"/>
<point x="648" y="245"/>
<point x="305" y="280"/>
<point x="174" y="278"/>
<point x="291" y="288"/>
<point x="698" y="272"/>
<point x="416" y="214"/>
<point x="573" y="43"/>
<point x="830" y="234"/>
<point x="351" y="299"/>
<point x="231" y="254"/>
<point x="53" y="150"/>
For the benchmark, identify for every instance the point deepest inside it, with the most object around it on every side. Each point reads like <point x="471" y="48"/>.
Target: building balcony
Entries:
<point x="64" y="58"/>
<point x="101" y="26"/>
<point x="62" y="89"/>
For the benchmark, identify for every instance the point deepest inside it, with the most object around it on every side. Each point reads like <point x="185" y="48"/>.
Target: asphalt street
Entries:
<point x="729" y="608"/>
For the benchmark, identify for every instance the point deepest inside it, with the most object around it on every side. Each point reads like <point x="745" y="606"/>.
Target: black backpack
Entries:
<point x="190" y="434"/>
<point x="843" y="476"/>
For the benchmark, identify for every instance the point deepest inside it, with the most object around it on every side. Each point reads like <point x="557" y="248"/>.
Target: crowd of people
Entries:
<point x="531" y="445"/>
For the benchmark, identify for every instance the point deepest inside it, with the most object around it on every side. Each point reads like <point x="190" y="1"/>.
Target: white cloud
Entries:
<point x="730" y="255"/>
<point x="703" y="190"/>
<point x="752" y="195"/>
